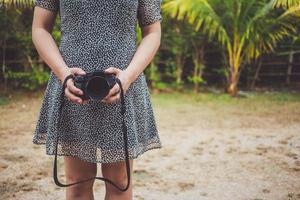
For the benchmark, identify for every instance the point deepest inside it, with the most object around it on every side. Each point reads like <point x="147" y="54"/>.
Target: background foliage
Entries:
<point x="206" y="44"/>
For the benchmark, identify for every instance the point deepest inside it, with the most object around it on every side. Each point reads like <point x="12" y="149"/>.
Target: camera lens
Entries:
<point x="97" y="88"/>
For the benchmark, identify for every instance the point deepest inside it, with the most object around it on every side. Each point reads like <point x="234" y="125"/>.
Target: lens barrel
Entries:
<point x="95" y="85"/>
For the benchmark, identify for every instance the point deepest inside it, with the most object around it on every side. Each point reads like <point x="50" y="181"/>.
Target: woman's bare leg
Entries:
<point x="117" y="173"/>
<point x="77" y="170"/>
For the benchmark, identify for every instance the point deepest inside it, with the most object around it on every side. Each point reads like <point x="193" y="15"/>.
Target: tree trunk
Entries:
<point x="4" y="55"/>
<point x="180" y="57"/>
<point x="232" y="88"/>
<point x="290" y="67"/>
<point x="198" y="59"/>
<point x="152" y="74"/>
<point x="235" y="60"/>
<point x="256" y="75"/>
<point x="198" y="73"/>
<point x="179" y="68"/>
<point x="196" y="83"/>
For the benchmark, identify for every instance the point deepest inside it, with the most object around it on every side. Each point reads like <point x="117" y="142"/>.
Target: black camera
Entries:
<point x="95" y="85"/>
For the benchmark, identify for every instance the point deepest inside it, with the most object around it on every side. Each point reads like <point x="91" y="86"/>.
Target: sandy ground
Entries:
<point x="245" y="149"/>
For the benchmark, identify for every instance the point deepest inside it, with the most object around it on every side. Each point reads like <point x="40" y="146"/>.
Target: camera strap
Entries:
<point x="125" y="137"/>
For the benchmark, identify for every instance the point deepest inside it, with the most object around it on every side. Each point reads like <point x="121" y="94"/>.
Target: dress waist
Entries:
<point x="93" y="57"/>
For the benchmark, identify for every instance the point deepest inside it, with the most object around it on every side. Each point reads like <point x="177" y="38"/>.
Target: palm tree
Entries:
<point x="286" y="3"/>
<point x="244" y="28"/>
<point x="16" y="3"/>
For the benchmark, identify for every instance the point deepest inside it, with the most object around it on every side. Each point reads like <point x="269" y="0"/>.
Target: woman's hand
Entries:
<point x="115" y="92"/>
<point x="71" y="91"/>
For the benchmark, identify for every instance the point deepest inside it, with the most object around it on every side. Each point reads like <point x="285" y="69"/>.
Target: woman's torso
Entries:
<point x="98" y="34"/>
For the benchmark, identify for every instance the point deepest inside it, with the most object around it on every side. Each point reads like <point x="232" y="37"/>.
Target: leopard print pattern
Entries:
<point x="94" y="36"/>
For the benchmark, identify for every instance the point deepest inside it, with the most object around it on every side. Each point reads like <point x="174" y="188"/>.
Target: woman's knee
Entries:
<point x="120" y="179"/>
<point x="78" y="170"/>
<point x="73" y="178"/>
<point x="117" y="173"/>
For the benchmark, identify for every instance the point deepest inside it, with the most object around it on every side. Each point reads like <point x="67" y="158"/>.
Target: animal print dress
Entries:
<point x="97" y="34"/>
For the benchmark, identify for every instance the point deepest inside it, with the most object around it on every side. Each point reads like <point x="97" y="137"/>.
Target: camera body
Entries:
<point x="95" y="85"/>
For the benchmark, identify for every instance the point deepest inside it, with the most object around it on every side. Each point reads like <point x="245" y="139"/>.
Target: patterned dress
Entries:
<point x="97" y="35"/>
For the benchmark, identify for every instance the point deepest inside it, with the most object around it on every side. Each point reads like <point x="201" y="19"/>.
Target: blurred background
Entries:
<point x="225" y="86"/>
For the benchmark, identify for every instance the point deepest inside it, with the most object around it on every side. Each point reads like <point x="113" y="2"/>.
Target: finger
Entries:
<point x="115" y="98"/>
<point x="73" y="88"/>
<point x="85" y="102"/>
<point x="113" y="91"/>
<point x="112" y="70"/>
<point x="77" y="71"/>
<point x="72" y="97"/>
<point x="112" y="99"/>
<point x="115" y="95"/>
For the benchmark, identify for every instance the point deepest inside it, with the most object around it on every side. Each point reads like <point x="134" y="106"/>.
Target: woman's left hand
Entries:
<point x="115" y="92"/>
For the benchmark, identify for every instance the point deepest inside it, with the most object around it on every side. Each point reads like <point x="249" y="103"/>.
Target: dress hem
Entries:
<point x="150" y="146"/>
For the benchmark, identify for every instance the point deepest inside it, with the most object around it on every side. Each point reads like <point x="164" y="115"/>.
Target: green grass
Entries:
<point x="15" y="95"/>
<point x="3" y="101"/>
<point x="223" y="98"/>
<point x="181" y="98"/>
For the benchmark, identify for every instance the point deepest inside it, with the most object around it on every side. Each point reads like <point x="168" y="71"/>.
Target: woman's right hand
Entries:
<point x="71" y="91"/>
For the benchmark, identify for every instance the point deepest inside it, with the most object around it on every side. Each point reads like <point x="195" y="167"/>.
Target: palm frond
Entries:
<point x="200" y="14"/>
<point x="294" y="10"/>
<point x="286" y="3"/>
<point x="16" y="3"/>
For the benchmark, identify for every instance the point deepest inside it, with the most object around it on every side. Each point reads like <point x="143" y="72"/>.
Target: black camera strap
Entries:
<point x="124" y="130"/>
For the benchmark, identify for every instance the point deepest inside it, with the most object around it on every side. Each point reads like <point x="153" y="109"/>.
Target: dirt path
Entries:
<point x="247" y="149"/>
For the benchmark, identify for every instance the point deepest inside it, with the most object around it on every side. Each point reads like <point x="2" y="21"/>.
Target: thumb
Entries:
<point x="77" y="71"/>
<point x="112" y="70"/>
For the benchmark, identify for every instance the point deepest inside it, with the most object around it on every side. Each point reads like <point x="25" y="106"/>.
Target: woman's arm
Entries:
<point x="141" y="59"/>
<point x="42" y="25"/>
<point x="146" y="50"/>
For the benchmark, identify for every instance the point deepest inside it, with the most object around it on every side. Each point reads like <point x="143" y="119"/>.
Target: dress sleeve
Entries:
<point x="149" y="11"/>
<point x="52" y="5"/>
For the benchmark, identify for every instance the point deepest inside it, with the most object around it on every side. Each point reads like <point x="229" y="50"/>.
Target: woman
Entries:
<point x="97" y="35"/>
